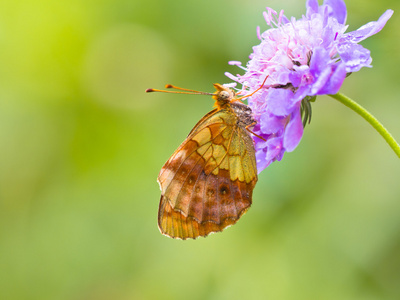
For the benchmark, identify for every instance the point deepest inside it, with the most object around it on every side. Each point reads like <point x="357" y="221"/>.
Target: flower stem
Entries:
<point x="370" y="119"/>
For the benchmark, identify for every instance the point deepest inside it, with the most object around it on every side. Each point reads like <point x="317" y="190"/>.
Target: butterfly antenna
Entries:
<point x="186" y="91"/>
<point x="251" y="94"/>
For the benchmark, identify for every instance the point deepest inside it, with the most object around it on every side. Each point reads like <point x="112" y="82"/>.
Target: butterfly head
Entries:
<point x="223" y="96"/>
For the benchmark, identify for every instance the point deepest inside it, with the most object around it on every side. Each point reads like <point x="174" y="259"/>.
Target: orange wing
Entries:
<point x="208" y="182"/>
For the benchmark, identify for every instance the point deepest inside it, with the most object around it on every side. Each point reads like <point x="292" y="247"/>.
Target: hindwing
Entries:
<point x="208" y="182"/>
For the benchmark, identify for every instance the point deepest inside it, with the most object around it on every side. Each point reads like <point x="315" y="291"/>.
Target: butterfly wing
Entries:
<point x="208" y="182"/>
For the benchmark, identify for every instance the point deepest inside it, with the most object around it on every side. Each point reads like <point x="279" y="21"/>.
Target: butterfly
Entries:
<point x="207" y="184"/>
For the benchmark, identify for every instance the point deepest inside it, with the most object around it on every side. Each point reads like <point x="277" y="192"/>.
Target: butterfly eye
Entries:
<point x="223" y="95"/>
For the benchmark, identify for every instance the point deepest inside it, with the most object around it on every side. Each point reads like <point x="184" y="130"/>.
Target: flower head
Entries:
<point x="302" y="59"/>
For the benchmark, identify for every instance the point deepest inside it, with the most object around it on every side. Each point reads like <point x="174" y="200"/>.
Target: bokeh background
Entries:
<point x="81" y="146"/>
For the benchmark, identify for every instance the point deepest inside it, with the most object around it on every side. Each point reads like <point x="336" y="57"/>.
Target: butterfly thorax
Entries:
<point x="244" y="114"/>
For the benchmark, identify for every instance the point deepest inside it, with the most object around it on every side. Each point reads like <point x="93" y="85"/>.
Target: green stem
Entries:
<point x="370" y="119"/>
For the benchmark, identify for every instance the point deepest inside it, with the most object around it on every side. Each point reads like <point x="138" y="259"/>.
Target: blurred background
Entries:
<point x="81" y="146"/>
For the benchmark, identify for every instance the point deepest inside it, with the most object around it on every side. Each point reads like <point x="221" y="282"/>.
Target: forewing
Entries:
<point x="208" y="182"/>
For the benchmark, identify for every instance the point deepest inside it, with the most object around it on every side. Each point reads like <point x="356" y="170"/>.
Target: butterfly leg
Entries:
<point x="249" y="130"/>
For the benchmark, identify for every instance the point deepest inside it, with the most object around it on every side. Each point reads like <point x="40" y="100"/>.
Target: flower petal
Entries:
<point x="354" y="56"/>
<point x="274" y="149"/>
<point x="320" y="69"/>
<point x="279" y="102"/>
<point x="293" y="132"/>
<point x="271" y="124"/>
<point x="261" y="160"/>
<point x="338" y="10"/>
<point x="300" y="75"/>
<point x="319" y="60"/>
<point x="368" y="29"/>
<point x="321" y="80"/>
<point x="335" y="80"/>
<point x="312" y="7"/>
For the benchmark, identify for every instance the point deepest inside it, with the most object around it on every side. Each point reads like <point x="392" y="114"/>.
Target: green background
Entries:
<point x="81" y="146"/>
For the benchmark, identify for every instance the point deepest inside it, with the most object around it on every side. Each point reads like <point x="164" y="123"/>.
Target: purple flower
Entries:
<point x="302" y="59"/>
